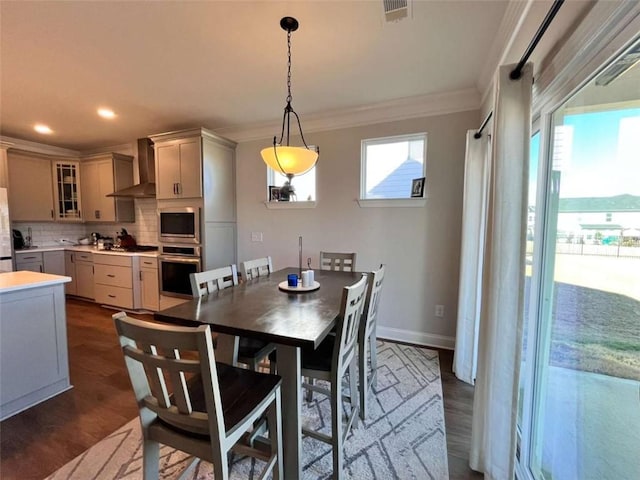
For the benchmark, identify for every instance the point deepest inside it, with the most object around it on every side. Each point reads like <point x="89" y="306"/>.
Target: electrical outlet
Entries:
<point x="439" y="310"/>
<point x="256" y="236"/>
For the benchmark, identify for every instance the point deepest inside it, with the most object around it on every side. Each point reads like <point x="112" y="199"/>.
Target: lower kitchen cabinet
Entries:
<point x="149" y="284"/>
<point x="79" y="266"/>
<point x="44" y="262"/>
<point x="114" y="280"/>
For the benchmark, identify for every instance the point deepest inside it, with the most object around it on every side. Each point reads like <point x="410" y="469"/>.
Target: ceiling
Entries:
<point x="165" y="66"/>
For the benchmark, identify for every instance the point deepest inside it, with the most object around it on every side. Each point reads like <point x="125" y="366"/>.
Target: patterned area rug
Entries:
<point x="402" y="438"/>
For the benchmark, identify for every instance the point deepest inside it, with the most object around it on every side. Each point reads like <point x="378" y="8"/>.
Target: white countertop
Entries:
<point x="13" y="281"/>
<point x="86" y="248"/>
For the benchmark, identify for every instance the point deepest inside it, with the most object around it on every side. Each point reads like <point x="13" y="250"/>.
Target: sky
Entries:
<point x="598" y="154"/>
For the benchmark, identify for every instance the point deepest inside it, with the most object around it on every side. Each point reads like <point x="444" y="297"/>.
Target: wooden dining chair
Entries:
<point x="256" y="268"/>
<point x="367" y="352"/>
<point x="341" y="262"/>
<point x="251" y="352"/>
<point x="189" y="402"/>
<point x="331" y="361"/>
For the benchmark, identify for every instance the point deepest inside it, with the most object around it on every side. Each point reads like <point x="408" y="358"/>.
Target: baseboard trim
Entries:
<point x="418" y="338"/>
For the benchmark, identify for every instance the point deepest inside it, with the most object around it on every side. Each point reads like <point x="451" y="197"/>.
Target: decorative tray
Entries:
<point x="284" y="286"/>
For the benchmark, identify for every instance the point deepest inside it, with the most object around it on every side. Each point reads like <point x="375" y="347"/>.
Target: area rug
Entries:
<point x="402" y="438"/>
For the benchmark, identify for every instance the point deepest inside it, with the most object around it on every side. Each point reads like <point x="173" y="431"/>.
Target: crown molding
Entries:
<point x="35" y="147"/>
<point x="389" y="111"/>
<point x="512" y="21"/>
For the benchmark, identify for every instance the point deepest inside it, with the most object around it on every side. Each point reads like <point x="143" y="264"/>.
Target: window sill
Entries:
<point x="289" y="205"/>
<point x="392" y="202"/>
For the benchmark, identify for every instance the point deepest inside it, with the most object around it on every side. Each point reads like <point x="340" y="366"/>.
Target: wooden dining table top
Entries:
<point x="259" y="309"/>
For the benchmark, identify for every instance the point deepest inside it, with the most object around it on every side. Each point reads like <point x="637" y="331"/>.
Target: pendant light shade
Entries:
<point x="289" y="160"/>
<point x="280" y="156"/>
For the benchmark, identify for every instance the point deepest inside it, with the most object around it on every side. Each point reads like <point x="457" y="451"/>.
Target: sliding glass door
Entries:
<point x="582" y="415"/>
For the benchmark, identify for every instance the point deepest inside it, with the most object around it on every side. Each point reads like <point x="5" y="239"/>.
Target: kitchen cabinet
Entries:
<point x="178" y="168"/>
<point x="30" y="187"/>
<point x="149" y="284"/>
<point x="66" y="190"/>
<point x="53" y="262"/>
<point x="29" y="261"/>
<point x="101" y="175"/>
<point x="114" y="280"/>
<point x="79" y="266"/>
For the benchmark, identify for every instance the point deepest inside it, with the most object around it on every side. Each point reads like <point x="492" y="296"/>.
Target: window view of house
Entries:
<point x="588" y="360"/>
<point x="389" y="165"/>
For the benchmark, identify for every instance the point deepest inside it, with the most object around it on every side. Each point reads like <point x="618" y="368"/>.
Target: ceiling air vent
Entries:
<point x="395" y="9"/>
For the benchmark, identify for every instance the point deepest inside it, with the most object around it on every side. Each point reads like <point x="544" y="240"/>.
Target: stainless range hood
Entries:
<point x="146" y="168"/>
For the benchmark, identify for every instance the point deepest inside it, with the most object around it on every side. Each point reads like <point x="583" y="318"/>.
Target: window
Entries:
<point x="305" y="184"/>
<point x="390" y="164"/>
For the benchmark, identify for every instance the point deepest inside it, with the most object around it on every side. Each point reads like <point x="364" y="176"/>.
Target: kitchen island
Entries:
<point x="34" y="363"/>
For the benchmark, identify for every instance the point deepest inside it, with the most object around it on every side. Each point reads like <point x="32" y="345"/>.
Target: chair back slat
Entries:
<point x="370" y="309"/>
<point x="342" y="262"/>
<point x="353" y="298"/>
<point x="155" y="375"/>
<point x="203" y="283"/>
<point x="256" y="268"/>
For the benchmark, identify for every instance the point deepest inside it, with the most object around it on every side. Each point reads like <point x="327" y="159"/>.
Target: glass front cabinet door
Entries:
<point x="66" y="182"/>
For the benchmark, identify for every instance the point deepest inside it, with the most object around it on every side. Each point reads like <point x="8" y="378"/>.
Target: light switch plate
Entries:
<point x="256" y="236"/>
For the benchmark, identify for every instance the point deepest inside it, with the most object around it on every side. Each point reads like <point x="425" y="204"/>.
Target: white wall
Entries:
<point x="420" y="246"/>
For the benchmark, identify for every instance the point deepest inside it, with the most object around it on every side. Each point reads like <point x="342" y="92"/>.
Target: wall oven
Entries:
<point x="176" y="263"/>
<point x="179" y="224"/>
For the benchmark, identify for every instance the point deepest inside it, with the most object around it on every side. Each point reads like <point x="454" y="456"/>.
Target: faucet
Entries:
<point x="27" y="240"/>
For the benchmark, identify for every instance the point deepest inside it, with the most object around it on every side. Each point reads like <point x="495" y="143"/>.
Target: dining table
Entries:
<point x="260" y="309"/>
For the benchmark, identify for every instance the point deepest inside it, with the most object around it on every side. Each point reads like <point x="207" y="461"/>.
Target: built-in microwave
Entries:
<point x="179" y="224"/>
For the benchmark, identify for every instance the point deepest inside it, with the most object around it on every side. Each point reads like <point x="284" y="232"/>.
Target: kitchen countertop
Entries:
<point x="85" y="248"/>
<point x="12" y="281"/>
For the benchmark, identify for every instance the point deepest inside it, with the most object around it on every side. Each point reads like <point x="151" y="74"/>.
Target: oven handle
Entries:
<point x="172" y="258"/>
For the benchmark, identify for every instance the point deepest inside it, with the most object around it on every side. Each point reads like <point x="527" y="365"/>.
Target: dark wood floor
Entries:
<point x="35" y="443"/>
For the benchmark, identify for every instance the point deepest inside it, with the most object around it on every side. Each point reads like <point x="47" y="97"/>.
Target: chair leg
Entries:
<point x="309" y="396"/>
<point x="373" y="351"/>
<point x="274" y="418"/>
<point x="150" y="459"/>
<point x="353" y="390"/>
<point x="363" y="377"/>
<point x="336" y="426"/>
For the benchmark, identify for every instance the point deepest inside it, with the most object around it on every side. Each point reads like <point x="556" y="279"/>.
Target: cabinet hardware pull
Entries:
<point x="111" y="296"/>
<point x="179" y="188"/>
<point x="140" y="274"/>
<point x="40" y="268"/>
<point x="52" y="213"/>
<point x="111" y="276"/>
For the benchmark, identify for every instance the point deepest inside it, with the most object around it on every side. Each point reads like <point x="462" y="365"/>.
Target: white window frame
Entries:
<point x="391" y="202"/>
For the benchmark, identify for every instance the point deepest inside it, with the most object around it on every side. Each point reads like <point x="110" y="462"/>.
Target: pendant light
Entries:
<point x="282" y="157"/>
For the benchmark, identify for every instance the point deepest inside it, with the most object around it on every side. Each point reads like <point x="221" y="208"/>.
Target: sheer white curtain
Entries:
<point x="474" y="218"/>
<point x="493" y="435"/>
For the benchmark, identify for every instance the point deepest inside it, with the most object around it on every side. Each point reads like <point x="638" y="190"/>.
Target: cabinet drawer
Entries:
<point x="118" y="260"/>
<point x="116" y="296"/>
<point x="28" y="257"/>
<point x="147" y="262"/>
<point x="113" y="275"/>
<point x="83" y="257"/>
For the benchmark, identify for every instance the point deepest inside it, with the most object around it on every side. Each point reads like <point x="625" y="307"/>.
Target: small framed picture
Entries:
<point x="417" y="187"/>
<point x="274" y="193"/>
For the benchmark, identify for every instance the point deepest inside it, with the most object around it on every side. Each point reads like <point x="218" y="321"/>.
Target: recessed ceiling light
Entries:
<point x="106" y="113"/>
<point x="40" y="128"/>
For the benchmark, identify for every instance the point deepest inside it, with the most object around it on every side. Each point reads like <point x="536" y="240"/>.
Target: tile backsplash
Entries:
<point x="144" y="230"/>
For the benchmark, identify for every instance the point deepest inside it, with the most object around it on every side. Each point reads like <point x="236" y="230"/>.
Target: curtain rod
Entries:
<point x="517" y="72"/>
<point x="478" y="134"/>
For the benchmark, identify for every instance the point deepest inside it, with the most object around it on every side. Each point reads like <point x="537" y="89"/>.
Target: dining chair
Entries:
<point x="256" y="268"/>
<point x="341" y="262"/>
<point x="202" y="416"/>
<point x="367" y="352"/>
<point x="334" y="357"/>
<point x="251" y="352"/>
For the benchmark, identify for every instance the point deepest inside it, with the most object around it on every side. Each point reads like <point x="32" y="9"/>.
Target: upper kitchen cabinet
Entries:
<point x="101" y="175"/>
<point x="178" y="168"/>
<point x="66" y="190"/>
<point x="30" y="187"/>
